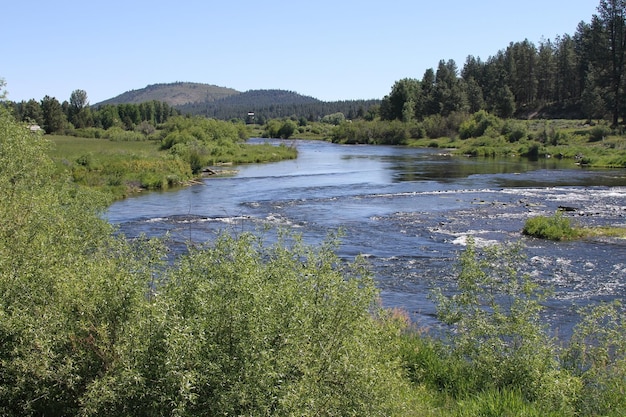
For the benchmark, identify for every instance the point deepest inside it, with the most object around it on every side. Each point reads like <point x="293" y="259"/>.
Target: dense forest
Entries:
<point x="273" y="104"/>
<point x="579" y="76"/>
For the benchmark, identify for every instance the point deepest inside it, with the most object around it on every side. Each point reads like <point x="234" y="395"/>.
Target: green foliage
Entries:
<point x="494" y="314"/>
<point x="499" y="403"/>
<point x="598" y="133"/>
<point x="597" y="353"/>
<point x="54" y="120"/>
<point x="202" y="142"/>
<point x="119" y="168"/>
<point x="187" y="129"/>
<point x="282" y="129"/>
<point x="91" y="324"/>
<point x="66" y="282"/>
<point x="478" y="124"/>
<point x="373" y="132"/>
<point x="240" y="329"/>
<point x="555" y="227"/>
<point x="334" y="119"/>
<point x="497" y="358"/>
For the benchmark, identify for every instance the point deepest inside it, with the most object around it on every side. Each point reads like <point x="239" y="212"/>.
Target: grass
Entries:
<point x="560" y="228"/>
<point x="605" y="231"/>
<point x="118" y="168"/>
<point x="70" y="148"/>
<point x="123" y="168"/>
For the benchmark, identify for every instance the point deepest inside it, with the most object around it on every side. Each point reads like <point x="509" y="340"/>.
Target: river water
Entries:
<point x="409" y="212"/>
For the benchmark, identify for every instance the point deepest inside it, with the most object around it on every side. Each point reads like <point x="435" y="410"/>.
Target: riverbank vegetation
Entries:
<point x="479" y="134"/>
<point x="123" y="162"/>
<point x="94" y="324"/>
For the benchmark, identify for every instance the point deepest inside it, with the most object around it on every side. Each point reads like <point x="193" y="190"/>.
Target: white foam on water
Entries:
<point x="277" y="219"/>
<point x="157" y="220"/>
<point x="478" y="241"/>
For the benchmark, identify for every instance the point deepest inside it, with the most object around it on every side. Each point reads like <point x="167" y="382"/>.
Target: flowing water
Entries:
<point x="409" y="212"/>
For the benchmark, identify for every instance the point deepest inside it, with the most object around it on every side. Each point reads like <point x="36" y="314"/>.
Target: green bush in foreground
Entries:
<point x="241" y="329"/>
<point x="91" y="324"/>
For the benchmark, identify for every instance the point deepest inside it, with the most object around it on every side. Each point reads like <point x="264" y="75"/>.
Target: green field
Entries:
<point x="123" y="168"/>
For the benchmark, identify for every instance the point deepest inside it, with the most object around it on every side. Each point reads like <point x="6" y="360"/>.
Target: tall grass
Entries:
<point x="118" y="168"/>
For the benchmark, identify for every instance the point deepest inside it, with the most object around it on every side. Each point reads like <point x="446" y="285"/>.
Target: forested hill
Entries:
<point x="174" y="94"/>
<point x="226" y="103"/>
<point x="268" y="104"/>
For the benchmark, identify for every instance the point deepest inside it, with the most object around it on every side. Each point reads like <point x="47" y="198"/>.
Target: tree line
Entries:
<point x="55" y="117"/>
<point x="579" y="76"/>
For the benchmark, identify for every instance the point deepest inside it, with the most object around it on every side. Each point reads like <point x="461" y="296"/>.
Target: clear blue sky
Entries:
<point x="331" y="50"/>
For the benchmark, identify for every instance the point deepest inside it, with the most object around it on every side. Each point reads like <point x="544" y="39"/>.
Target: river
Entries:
<point x="409" y="212"/>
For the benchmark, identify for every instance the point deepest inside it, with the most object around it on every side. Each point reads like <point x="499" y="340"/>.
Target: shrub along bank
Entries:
<point x="484" y="135"/>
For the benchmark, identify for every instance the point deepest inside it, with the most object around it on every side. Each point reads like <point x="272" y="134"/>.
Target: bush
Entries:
<point x="478" y="125"/>
<point x="240" y="329"/>
<point x="514" y="131"/>
<point x="598" y="133"/>
<point x="92" y="324"/>
<point x="555" y="227"/>
<point x="597" y="354"/>
<point x="495" y="327"/>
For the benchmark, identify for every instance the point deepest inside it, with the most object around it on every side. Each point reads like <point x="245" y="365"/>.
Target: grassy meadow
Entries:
<point x="123" y="168"/>
<point x="118" y="168"/>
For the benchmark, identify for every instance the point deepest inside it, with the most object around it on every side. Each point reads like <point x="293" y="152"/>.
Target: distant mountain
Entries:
<point x="263" y="98"/>
<point x="226" y="103"/>
<point x="174" y="94"/>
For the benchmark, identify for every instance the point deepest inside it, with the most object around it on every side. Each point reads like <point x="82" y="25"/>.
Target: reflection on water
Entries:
<point x="409" y="211"/>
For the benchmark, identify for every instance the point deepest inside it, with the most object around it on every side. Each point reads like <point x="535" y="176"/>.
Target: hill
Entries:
<point x="226" y="103"/>
<point x="174" y="94"/>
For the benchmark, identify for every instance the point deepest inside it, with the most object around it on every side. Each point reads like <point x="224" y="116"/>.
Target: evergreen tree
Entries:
<point x="592" y="104"/>
<point x="54" y="119"/>
<point x="546" y="67"/>
<point x="32" y="112"/>
<point x="613" y="16"/>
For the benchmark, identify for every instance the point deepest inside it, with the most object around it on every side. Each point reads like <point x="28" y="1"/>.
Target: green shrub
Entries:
<point x="597" y="354"/>
<point x="241" y="329"/>
<point x="479" y="124"/>
<point x="598" y="133"/>
<point x="555" y="227"/>
<point x="494" y="314"/>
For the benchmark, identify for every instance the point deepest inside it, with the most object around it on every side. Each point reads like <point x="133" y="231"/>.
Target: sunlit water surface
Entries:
<point x="409" y="212"/>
